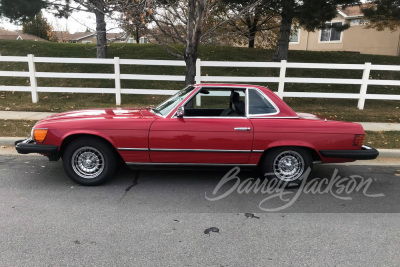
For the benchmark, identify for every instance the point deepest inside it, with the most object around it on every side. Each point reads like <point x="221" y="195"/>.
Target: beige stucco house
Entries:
<point x="355" y="39"/>
<point x="90" y="37"/>
<point x="18" y="35"/>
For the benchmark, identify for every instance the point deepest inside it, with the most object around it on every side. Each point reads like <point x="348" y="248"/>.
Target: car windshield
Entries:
<point x="165" y="107"/>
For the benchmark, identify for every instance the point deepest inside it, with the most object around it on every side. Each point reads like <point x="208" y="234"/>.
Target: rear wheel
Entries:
<point x="287" y="164"/>
<point x="89" y="161"/>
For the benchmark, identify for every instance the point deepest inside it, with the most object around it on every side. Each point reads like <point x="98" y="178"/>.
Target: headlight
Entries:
<point x="39" y="135"/>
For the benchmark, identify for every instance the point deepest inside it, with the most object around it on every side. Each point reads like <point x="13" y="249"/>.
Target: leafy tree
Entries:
<point x="100" y="8"/>
<point x="21" y="10"/>
<point x="382" y="14"/>
<point x="135" y="18"/>
<point x="182" y="21"/>
<point x="37" y="26"/>
<point x="310" y="14"/>
<point x="255" y="20"/>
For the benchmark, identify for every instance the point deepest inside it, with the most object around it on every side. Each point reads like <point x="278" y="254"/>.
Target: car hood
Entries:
<point x="100" y="113"/>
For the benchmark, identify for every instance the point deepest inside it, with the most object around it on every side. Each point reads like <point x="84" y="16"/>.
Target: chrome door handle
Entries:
<point x="242" y="129"/>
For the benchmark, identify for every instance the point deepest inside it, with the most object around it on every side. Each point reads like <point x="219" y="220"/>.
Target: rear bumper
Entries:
<point x="364" y="153"/>
<point x="28" y="146"/>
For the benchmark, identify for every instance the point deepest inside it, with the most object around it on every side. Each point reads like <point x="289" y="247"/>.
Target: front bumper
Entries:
<point x="364" y="153"/>
<point x="28" y="146"/>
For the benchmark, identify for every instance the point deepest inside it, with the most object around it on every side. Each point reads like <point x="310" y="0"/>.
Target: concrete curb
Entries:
<point x="389" y="153"/>
<point x="9" y="141"/>
<point x="383" y="153"/>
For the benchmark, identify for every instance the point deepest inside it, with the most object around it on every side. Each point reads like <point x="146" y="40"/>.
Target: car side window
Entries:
<point x="259" y="104"/>
<point x="215" y="103"/>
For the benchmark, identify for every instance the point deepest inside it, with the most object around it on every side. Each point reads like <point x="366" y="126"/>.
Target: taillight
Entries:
<point x="358" y="139"/>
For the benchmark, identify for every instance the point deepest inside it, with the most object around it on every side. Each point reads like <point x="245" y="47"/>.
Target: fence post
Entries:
<point x="117" y="81"/>
<point x="198" y="80"/>
<point x="282" y="75"/>
<point x="32" y="78"/>
<point x="364" y="85"/>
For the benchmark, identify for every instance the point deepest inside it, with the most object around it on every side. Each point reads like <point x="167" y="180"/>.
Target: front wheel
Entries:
<point x="287" y="164"/>
<point x="89" y="161"/>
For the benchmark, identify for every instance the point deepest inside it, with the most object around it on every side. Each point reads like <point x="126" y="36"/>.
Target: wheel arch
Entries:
<point x="70" y="138"/>
<point x="313" y="152"/>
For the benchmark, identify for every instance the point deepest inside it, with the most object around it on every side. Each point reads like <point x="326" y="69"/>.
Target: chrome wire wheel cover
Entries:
<point x="87" y="162"/>
<point x="288" y="166"/>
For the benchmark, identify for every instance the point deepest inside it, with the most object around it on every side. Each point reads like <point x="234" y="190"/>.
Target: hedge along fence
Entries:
<point x="117" y="76"/>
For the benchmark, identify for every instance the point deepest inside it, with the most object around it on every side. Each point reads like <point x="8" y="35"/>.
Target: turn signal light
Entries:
<point x="39" y="135"/>
<point x="358" y="139"/>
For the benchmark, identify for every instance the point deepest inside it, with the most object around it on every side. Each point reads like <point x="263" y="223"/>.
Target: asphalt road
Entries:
<point x="159" y="218"/>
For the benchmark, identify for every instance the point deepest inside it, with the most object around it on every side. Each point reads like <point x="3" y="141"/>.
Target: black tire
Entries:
<point x="89" y="161"/>
<point x="287" y="164"/>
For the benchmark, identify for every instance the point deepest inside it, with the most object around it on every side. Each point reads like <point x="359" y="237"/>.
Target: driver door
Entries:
<point x="203" y="136"/>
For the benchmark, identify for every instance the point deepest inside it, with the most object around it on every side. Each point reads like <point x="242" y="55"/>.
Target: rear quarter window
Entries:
<point x="260" y="104"/>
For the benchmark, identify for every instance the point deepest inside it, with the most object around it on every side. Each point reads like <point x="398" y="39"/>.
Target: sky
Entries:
<point x="77" y="22"/>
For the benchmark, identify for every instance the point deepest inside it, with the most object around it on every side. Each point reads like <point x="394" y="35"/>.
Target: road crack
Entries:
<point x="134" y="182"/>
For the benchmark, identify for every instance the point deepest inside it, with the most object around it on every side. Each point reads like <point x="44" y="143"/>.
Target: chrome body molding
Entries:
<point x="198" y="150"/>
<point x="205" y="117"/>
<point x="188" y="164"/>
<point x="132" y="149"/>
<point x="254" y="117"/>
<point x="189" y="150"/>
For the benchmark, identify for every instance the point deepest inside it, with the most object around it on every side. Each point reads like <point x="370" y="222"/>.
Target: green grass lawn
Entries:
<point x="390" y="139"/>
<point x="375" y="110"/>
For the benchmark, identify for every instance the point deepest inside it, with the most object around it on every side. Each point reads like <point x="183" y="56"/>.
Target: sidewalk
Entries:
<point x="23" y="115"/>
<point x="380" y="126"/>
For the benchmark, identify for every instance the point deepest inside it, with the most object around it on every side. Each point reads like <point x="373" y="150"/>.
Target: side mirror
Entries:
<point x="180" y="112"/>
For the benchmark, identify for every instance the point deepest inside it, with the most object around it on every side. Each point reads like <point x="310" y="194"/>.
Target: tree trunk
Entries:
<point x="282" y="47"/>
<point x="100" y="30"/>
<point x="252" y="37"/>
<point x="190" y="60"/>
<point x="252" y="25"/>
<point x="137" y="36"/>
<point x="194" y="24"/>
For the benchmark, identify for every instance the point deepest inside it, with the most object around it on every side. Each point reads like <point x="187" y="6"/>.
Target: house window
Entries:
<point x="331" y="34"/>
<point x="143" y="40"/>
<point x="294" y="35"/>
<point x="86" y="42"/>
<point x="359" y="22"/>
<point x="130" y="41"/>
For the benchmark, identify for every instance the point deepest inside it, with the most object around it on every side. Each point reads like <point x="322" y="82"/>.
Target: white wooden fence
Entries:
<point x="32" y="74"/>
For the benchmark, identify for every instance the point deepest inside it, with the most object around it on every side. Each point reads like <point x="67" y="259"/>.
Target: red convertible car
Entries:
<point x="201" y="125"/>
